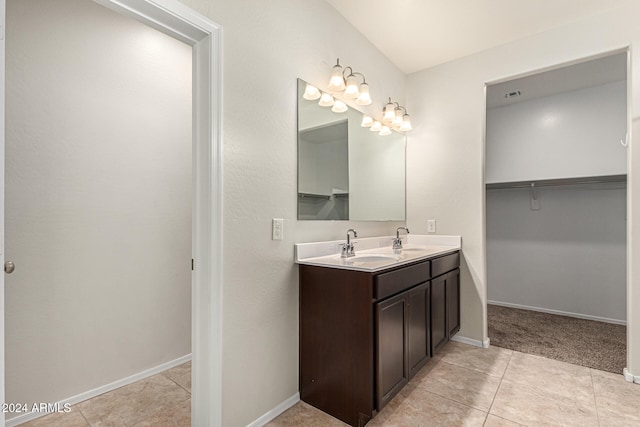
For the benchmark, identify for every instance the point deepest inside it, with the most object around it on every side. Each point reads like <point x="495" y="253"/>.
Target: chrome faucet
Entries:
<point x="347" y="248"/>
<point x="397" y="242"/>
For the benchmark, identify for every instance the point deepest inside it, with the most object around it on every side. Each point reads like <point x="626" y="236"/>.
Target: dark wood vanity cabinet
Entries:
<point x="419" y="331"/>
<point x="402" y="340"/>
<point x="445" y="300"/>
<point x="453" y="302"/>
<point x="363" y="335"/>
<point x="392" y="367"/>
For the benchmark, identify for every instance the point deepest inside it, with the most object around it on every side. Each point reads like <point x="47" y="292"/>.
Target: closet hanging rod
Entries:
<point x="556" y="182"/>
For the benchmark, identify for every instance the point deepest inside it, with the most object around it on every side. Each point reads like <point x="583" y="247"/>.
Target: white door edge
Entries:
<point x="2" y="132"/>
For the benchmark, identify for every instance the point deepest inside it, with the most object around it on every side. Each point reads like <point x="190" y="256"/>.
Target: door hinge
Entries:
<point x="192" y="264"/>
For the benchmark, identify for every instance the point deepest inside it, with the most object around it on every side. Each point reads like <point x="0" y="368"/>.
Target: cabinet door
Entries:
<point x="453" y="302"/>
<point x="392" y="369"/>
<point x="418" y="330"/>
<point x="439" y="335"/>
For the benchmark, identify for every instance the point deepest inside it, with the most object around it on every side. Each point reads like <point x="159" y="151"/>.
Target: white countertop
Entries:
<point x="376" y="253"/>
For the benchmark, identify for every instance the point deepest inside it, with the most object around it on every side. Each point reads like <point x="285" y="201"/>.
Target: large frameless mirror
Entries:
<point x="345" y="171"/>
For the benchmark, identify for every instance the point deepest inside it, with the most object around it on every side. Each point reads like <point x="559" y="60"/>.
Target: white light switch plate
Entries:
<point x="277" y="228"/>
<point x="431" y="226"/>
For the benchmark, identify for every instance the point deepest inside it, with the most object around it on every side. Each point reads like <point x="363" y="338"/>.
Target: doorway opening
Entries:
<point x="556" y="227"/>
<point x="204" y="37"/>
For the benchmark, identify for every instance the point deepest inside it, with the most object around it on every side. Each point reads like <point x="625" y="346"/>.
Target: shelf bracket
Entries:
<point x="534" y="203"/>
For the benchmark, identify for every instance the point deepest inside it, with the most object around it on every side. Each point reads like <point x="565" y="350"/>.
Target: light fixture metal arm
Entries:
<point x="356" y="73"/>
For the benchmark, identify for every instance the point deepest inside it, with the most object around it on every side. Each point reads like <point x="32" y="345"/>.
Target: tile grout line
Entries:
<point x="457" y="366"/>
<point x="488" y="412"/>
<point x="178" y="384"/>
<point x="595" y="399"/>
<point x="83" y="416"/>
<point x="454" y="400"/>
<point x="500" y="385"/>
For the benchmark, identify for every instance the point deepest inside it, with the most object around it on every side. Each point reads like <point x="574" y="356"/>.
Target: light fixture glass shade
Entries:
<point x="336" y="83"/>
<point x="397" y="120"/>
<point x="364" y="98"/>
<point x="351" y="91"/>
<point x="326" y="100"/>
<point x="406" y="124"/>
<point x="339" y="107"/>
<point x="311" y="92"/>
<point x="367" y="121"/>
<point x="385" y="131"/>
<point x="376" y="126"/>
<point x="389" y="112"/>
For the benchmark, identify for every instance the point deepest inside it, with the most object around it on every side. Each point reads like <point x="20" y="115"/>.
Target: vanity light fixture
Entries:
<point x="311" y="93"/>
<point x="326" y="100"/>
<point x="349" y="83"/>
<point x="385" y="131"/>
<point x="339" y="106"/>
<point x="367" y="121"/>
<point x="389" y="112"/>
<point x="364" y="98"/>
<point x="397" y="120"/>
<point x="406" y="123"/>
<point x="396" y="116"/>
<point x="336" y="82"/>
<point x="351" y="91"/>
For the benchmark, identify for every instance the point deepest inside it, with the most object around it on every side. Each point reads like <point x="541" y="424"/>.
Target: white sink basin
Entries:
<point x="372" y="258"/>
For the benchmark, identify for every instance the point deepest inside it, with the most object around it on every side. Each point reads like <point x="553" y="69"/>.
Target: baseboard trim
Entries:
<point x="273" y="413"/>
<point x="20" y="419"/>
<point x="630" y="377"/>
<point x="465" y="340"/>
<point x="558" y="312"/>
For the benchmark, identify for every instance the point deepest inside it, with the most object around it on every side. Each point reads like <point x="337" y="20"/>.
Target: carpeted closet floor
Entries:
<point x="583" y="342"/>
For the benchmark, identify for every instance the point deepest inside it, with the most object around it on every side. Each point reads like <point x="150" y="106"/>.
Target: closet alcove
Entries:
<point x="556" y="213"/>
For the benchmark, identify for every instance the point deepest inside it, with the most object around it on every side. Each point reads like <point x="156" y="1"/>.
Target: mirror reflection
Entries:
<point x="345" y="171"/>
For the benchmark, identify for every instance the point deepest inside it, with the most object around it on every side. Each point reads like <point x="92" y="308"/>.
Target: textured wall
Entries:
<point x="571" y="134"/>
<point x="265" y="49"/>
<point x="569" y="256"/>
<point x="445" y="167"/>
<point x="98" y="194"/>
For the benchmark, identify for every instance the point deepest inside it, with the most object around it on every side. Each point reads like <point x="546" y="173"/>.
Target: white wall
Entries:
<point x="98" y="196"/>
<point x="572" y="134"/>
<point x="446" y="149"/>
<point x="568" y="256"/>
<point x="265" y="49"/>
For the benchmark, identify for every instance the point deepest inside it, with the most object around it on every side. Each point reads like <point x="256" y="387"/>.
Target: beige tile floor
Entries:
<point x="495" y="387"/>
<point x="462" y="386"/>
<point x="161" y="400"/>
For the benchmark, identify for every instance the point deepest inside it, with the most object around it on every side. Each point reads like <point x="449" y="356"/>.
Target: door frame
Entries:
<point x="630" y="323"/>
<point x="205" y="37"/>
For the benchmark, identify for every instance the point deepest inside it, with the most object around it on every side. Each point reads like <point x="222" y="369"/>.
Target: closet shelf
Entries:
<point x="556" y="182"/>
<point x="314" y="196"/>
<point x="323" y="196"/>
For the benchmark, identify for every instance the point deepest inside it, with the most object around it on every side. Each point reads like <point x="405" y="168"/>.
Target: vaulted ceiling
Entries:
<point x="418" y="34"/>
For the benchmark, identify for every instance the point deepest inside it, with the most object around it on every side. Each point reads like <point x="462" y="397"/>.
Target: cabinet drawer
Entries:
<point x="387" y="284"/>
<point x="446" y="263"/>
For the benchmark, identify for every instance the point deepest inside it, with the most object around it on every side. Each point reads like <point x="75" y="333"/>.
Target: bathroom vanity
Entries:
<point x="370" y="322"/>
